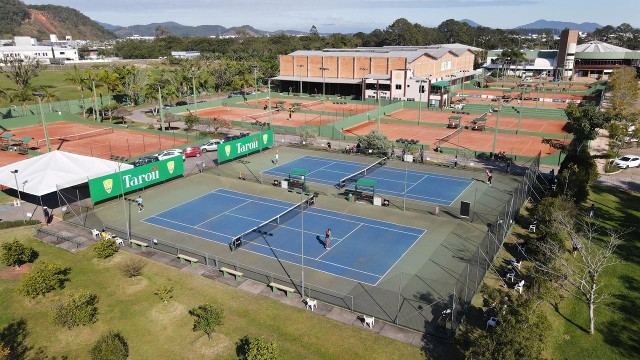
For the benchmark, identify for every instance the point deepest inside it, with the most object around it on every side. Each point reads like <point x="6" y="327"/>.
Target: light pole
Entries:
<point x="96" y="111"/>
<point x="39" y="95"/>
<point x="15" y="177"/>
<point x="306" y="195"/>
<point x="255" y="82"/>
<point x="161" y="110"/>
<point x="419" y="102"/>
<point x="378" y="95"/>
<point x="195" y="101"/>
<point x="323" y="95"/>
<point x="495" y="131"/>
<point x="364" y="84"/>
<point x="300" y="67"/>
<point x="520" y="111"/>
<point x="269" y="99"/>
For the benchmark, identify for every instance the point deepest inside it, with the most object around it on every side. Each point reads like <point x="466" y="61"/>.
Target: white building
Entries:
<point x="25" y="48"/>
<point x="185" y="54"/>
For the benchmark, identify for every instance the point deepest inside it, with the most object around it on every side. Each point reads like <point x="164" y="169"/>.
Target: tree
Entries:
<point x="313" y="31"/>
<point x="624" y="91"/>
<point x="16" y="254"/>
<point x="207" y="318"/>
<point x="105" y="248"/>
<point x="21" y="71"/>
<point x="165" y="293"/>
<point x="132" y="267"/>
<point x="76" y="77"/>
<point x="375" y="140"/>
<point x="191" y="120"/>
<point x="306" y="135"/>
<point x="521" y="333"/>
<point x="112" y="346"/>
<point x="581" y="273"/>
<point x="45" y="277"/>
<point x="256" y="349"/>
<point x="77" y="310"/>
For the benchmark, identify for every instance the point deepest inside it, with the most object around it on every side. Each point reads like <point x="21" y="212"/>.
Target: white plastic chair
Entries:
<point x="520" y="286"/>
<point x="532" y="228"/>
<point x="310" y="304"/>
<point x="369" y="321"/>
<point x="510" y="275"/>
<point x="95" y="233"/>
<point x="516" y="263"/>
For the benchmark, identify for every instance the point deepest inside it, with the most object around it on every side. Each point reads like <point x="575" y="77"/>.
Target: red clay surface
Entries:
<point x="475" y="140"/>
<point x="278" y="117"/>
<point x="9" y="157"/>
<point x="122" y="142"/>
<point x="516" y="93"/>
<point x="506" y="122"/>
<point x="526" y="103"/>
<point x="345" y="110"/>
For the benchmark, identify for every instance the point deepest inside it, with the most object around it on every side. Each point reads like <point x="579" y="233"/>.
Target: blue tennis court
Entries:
<point x="417" y="185"/>
<point x="361" y="249"/>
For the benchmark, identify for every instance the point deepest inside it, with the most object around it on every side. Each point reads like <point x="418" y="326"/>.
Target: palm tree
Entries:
<point x="76" y="77"/>
<point x="111" y="81"/>
<point x="22" y="96"/>
<point x="48" y="96"/>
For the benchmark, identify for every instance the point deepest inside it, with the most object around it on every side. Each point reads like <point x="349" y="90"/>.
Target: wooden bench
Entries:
<point x="275" y="287"/>
<point x="185" y="258"/>
<point x="143" y="245"/>
<point x="226" y="272"/>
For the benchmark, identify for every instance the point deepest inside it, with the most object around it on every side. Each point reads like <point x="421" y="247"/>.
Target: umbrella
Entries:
<point x="121" y="113"/>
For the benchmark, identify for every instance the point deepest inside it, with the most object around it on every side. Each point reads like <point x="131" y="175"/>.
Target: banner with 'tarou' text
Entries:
<point x="245" y="146"/>
<point x="112" y="185"/>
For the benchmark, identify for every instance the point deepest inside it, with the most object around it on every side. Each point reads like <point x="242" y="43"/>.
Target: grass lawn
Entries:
<point x="618" y="319"/>
<point x="155" y="330"/>
<point x="53" y="80"/>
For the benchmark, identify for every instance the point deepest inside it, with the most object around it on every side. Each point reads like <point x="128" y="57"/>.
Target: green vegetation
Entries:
<point x="156" y="330"/>
<point x="132" y="267"/>
<point x="17" y="223"/>
<point x="77" y="310"/>
<point x="45" y="277"/>
<point x="12" y="13"/>
<point x="17" y="254"/>
<point x="256" y="349"/>
<point x="112" y="346"/>
<point x="105" y="248"/>
<point x="207" y="318"/>
<point x="165" y="293"/>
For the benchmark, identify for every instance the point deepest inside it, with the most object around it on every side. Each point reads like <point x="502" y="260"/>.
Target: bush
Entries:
<point x="79" y="309"/>
<point x="112" y="346"/>
<point x="43" y="278"/>
<point x="132" y="267"/>
<point x="17" y="254"/>
<point x="17" y="223"/>
<point x="105" y="248"/>
<point x="207" y="318"/>
<point x="165" y="293"/>
<point x="256" y="349"/>
<point x="375" y="140"/>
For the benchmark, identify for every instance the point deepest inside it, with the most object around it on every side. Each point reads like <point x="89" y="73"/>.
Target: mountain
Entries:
<point x="561" y="25"/>
<point x="470" y="22"/>
<point x="107" y="26"/>
<point x="18" y="19"/>
<point x="195" y="31"/>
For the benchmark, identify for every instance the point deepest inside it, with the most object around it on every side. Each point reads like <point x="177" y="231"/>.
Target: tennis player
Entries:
<point x="327" y="238"/>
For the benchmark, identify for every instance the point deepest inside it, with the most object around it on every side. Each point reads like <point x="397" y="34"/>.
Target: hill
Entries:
<point x="18" y="19"/>
<point x="470" y="22"/>
<point x="194" y="31"/>
<point x="561" y="25"/>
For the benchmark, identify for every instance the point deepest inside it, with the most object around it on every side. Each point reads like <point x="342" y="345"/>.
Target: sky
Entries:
<point x="347" y="16"/>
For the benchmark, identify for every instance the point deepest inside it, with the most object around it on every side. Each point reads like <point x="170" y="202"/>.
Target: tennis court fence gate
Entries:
<point x="405" y="299"/>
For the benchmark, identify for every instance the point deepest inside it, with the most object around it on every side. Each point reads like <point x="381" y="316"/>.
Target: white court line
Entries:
<point x="401" y="256"/>
<point x="339" y="241"/>
<point x="356" y="222"/>
<point x="220" y="214"/>
<point x="182" y="203"/>
<point x="185" y="225"/>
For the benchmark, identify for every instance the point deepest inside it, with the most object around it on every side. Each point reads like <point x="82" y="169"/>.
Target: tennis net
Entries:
<point x="79" y="136"/>
<point x="253" y="117"/>
<point x="362" y="173"/>
<point x="312" y="103"/>
<point x="267" y="227"/>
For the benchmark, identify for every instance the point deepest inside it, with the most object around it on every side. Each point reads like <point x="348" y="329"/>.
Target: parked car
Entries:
<point x="234" y="137"/>
<point x="170" y="153"/>
<point x="192" y="151"/>
<point x="234" y="94"/>
<point x="145" y="160"/>
<point x="627" y="161"/>
<point x="212" y="145"/>
<point x="182" y="103"/>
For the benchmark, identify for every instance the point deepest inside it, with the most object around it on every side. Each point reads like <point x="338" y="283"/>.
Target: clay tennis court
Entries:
<point x="506" y="122"/>
<point x="101" y="142"/>
<point x="526" y="145"/>
<point x="531" y="93"/>
<point x="341" y="108"/>
<point x="525" y="103"/>
<point x="278" y="117"/>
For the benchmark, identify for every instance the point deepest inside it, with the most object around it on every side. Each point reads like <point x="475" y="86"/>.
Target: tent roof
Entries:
<point x="43" y="174"/>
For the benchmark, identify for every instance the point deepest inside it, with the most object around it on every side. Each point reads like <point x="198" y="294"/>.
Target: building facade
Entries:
<point x="390" y="72"/>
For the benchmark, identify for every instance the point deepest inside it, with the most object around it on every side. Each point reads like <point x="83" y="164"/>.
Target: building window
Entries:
<point x="62" y="53"/>
<point x="398" y="87"/>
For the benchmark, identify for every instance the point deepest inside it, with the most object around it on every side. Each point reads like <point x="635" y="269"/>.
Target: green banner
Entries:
<point x="108" y="186"/>
<point x="245" y="146"/>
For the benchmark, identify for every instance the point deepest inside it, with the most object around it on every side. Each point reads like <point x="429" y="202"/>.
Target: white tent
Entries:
<point x="47" y="173"/>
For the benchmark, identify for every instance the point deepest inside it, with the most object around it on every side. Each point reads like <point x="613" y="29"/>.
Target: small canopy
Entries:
<point x="441" y="83"/>
<point x="364" y="182"/>
<point x="479" y="119"/>
<point x="46" y="173"/>
<point x="298" y="172"/>
<point x="455" y="118"/>
<point x="296" y="104"/>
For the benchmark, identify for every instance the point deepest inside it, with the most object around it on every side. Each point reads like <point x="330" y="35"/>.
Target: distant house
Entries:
<point x="26" y="47"/>
<point x="185" y="54"/>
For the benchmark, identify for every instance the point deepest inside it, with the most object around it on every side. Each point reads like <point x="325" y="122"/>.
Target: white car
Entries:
<point x="170" y="153"/>
<point x="627" y="161"/>
<point x="212" y="145"/>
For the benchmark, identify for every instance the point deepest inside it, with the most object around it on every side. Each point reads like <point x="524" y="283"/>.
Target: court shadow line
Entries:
<point x="264" y="237"/>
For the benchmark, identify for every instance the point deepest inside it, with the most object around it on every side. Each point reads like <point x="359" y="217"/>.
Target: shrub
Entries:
<point x="256" y="349"/>
<point x="105" y="248"/>
<point x="207" y="318"/>
<point x="43" y="278"/>
<point x="16" y="253"/>
<point x="112" y="346"/>
<point x="78" y="309"/>
<point x="132" y="267"/>
<point x="17" y="223"/>
<point x="165" y="293"/>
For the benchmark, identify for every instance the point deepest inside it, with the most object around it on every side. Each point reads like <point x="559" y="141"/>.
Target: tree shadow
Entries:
<point x="556" y="307"/>
<point x="14" y="337"/>
<point x="621" y="333"/>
